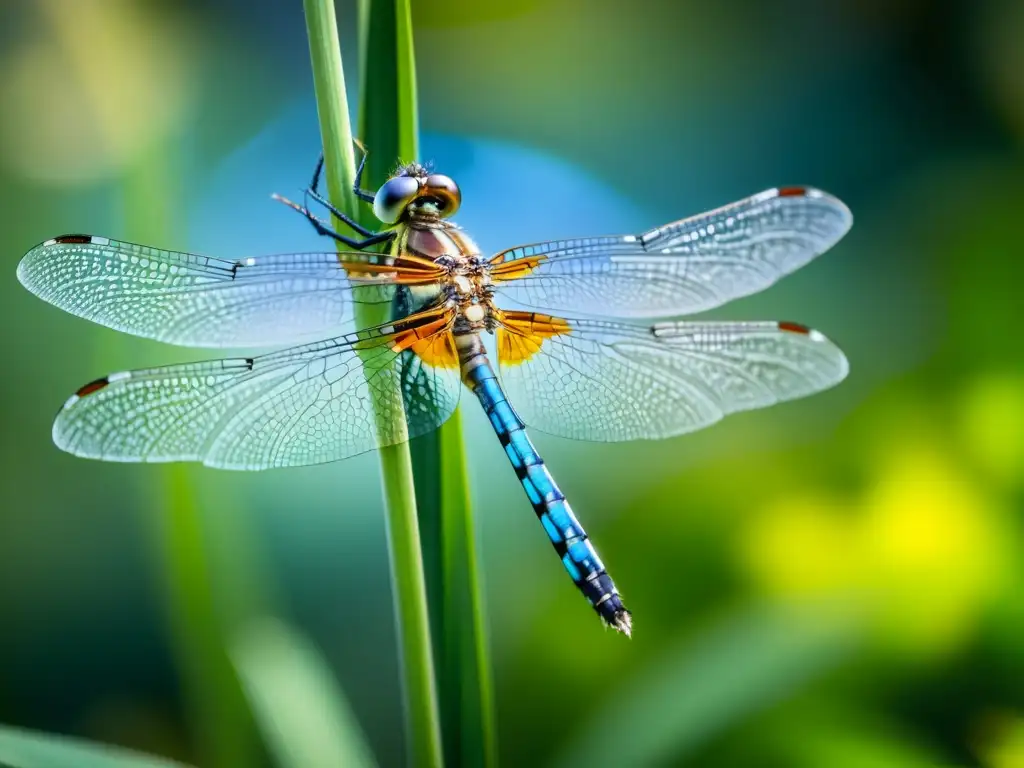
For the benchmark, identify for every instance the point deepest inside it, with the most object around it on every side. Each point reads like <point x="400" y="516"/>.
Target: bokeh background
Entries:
<point x="833" y="582"/>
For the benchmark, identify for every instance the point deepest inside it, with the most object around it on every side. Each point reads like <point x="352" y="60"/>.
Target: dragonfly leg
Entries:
<point x="313" y="190"/>
<point x="377" y="239"/>
<point x="323" y="228"/>
<point x="339" y="214"/>
<point x="362" y="194"/>
<point x="357" y="190"/>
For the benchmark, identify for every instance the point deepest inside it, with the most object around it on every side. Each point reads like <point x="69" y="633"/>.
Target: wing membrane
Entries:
<point x="198" y="301"/>
<point x="306" y="405"/>
<point x="606" y="381"/>
<point x="680" y="268"/>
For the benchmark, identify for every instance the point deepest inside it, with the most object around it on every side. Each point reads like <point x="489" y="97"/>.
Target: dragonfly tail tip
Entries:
<point x="623" y="622"/>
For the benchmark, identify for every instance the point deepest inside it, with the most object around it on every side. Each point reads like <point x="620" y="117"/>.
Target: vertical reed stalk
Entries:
<point x="467" y="697"/>
<point x="388" y="125"/>
<point x="400" y="501"/>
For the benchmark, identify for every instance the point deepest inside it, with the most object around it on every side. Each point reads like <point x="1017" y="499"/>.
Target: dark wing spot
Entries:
<point x="794" y="328"/>
<point x="792" y="191"/>
<point x="73" y="239"/>
<point x="93" y="386"/>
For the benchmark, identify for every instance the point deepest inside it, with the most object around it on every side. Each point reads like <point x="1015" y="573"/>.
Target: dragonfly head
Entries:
<point x="415" y="193"/>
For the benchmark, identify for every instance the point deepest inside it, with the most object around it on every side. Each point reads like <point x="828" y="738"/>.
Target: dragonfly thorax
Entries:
<point x="466" y="284"/>
<point x="467" y="288"/>
<point x="463" y="284"/>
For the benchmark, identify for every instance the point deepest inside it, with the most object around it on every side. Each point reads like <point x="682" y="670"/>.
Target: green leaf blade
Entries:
<point x="304" y="717"/>
<point x="388" y="125"/>
<point x="22" y="748"/>
<point x="416" y="656"/>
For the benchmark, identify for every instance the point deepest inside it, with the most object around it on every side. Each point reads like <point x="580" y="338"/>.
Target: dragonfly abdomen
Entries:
<point x="567" y="536"/>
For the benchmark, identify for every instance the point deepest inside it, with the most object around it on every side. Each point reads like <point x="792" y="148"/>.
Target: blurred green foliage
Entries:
<point x="891" y="505"/>
<point x="21" y="748"/>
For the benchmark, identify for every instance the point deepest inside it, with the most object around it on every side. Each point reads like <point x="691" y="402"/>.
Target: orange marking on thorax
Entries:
<point x="405" y="267"/>
<point x="438" y="351"/>
<point x="430" y="342"/>
<point x="411" y="273"/>
<point x="513" y="270"/>
<point x="521" y="335"/>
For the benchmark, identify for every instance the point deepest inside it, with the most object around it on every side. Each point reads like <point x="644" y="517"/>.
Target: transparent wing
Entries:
<point x="306" y="405"/>
<point x="680" y="268"/>
<point x="605" y="381"/>
<point x="197" y="301"/>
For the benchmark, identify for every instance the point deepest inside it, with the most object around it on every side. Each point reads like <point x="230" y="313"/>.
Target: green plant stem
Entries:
<point x="454" y="592"/>
<point x="467" y="670"/>
<point x="388" y="126"/>
<point x="400" y="500"/>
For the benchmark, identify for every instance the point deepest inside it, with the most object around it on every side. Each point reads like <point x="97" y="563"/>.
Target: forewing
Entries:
<point x="198" y="301"/>
<point x="680" y="268"/>
<point x="606" y="381"/>
<point x="306" y="405"/>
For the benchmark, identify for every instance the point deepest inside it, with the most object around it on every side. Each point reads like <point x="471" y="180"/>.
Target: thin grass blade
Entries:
<point x="388" y="126"/>
<point x="402" y="526"/>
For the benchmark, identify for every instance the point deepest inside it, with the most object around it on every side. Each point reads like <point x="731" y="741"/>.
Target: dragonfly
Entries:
<point x="581" y="345"/>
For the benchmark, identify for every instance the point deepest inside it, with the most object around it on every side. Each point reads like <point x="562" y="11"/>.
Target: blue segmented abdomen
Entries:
<point x="567" y="536"/>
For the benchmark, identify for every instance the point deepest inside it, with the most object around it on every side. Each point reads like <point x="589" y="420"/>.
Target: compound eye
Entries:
<point x="446" y="190"/>
<point x="392" y="198"/>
